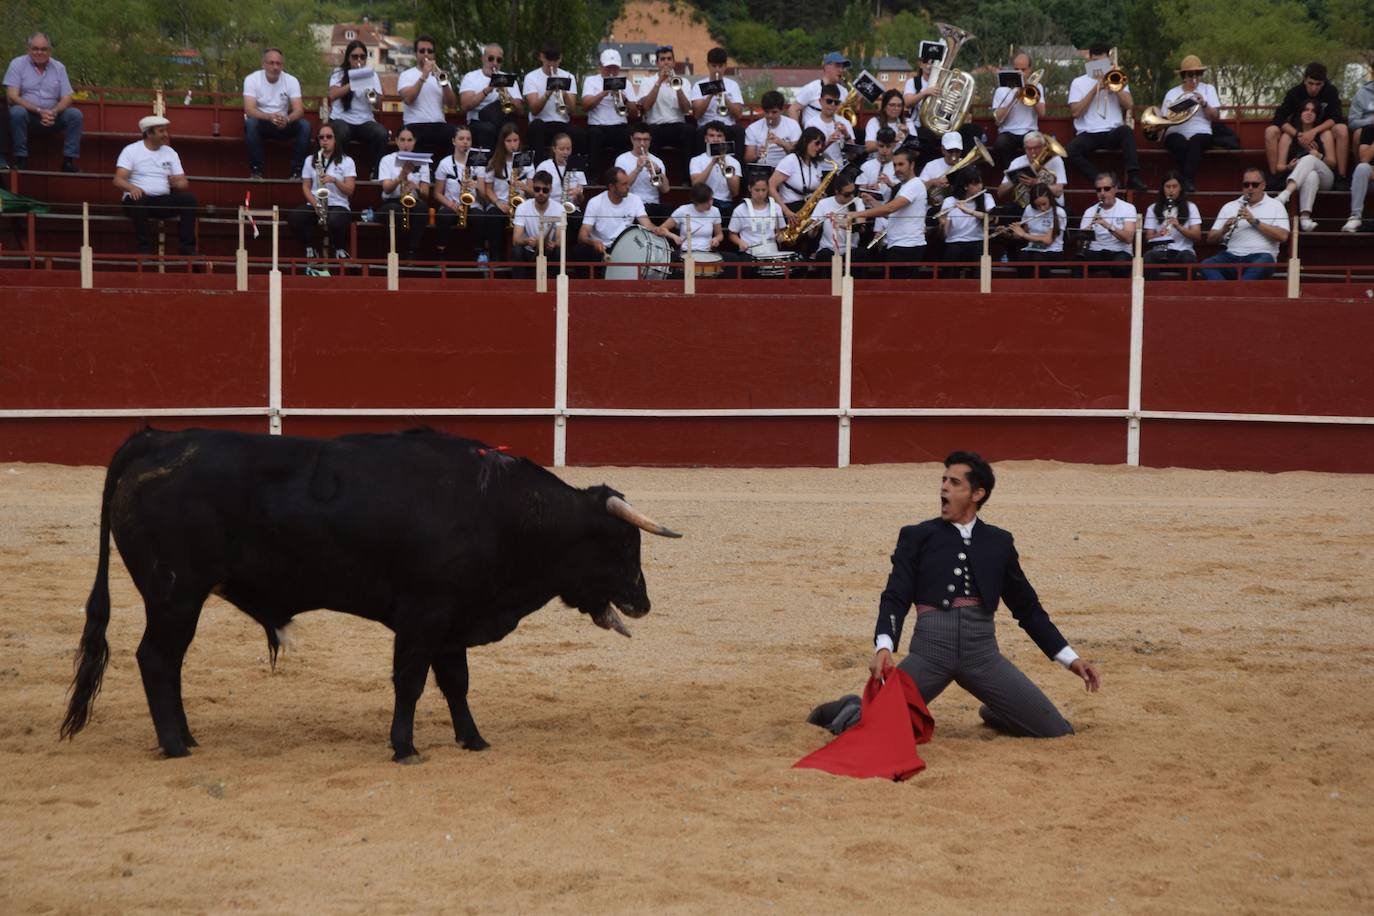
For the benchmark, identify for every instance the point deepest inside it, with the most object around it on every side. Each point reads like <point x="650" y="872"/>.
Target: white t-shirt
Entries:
<point x="933" y="169"/>
<point x="756" y="134"/>
<point x="389" y="169"/>
<point x="801" y="178"/>
<point x="150" y="169"/>
<point x="273" y="98"/>
<point x="607" y="220"/>
<point x="833" y="150"/>
<point x="536" y="81"/>
<point x="906" y="228"/>
<point x="452" y="172"/>
<point x="962" y="227"/>
<point x="358" y="110"/>
<point x="338" y="170"/>
<point x="1247" y="239"/>
<point x="720" y="188"/>
<point x="478" y="81"/>
<point x="757" y="227"/>
<point x="1054" y="164"/>
<point x="500" y="181"/>
<point x="821" y="214"/>
<point x="1117" y="216"/>
<point x="428" y="107"/>
<point x="901" y="127"/>
<point x="1022" y="118"/>
<point x="573" y="177"/>
<point x="665" y="109"/>
<point x="868" y="179"/>
<point x="911" y="87"/>
<point x="1101" y="116"/>
<point x="641" y="186"/>
<point x="712" y="112"/>
<point x="1198" y="123"/>
<point x="1177" y="240"/>
<point x="809" y="98"/>
<point x="1039" y="222"/>
<point x="603" y="114"/>
<point x="703" y="225"/>
<point x="528" y="217"/>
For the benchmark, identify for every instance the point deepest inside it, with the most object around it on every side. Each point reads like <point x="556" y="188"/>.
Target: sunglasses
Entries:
<point x="1252" y="184"/>
<point x="830" y="101"/>
<point x="358" y="55"/>
<point x="1106" y="189"/>
<point x="495" y="60"/>
<point x="539" y="190"/>
<point x="424" y="50"/>
<point x="326" y="136"/>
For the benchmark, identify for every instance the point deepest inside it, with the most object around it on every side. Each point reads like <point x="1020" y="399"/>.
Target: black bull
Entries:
<point x="446" y="541"/>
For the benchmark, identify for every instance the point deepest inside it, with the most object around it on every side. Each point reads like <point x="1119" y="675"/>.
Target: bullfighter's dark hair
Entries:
<point x="979" y="472"/>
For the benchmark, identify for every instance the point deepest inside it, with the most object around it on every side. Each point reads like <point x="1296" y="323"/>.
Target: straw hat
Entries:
<point x="1191" y="62"/>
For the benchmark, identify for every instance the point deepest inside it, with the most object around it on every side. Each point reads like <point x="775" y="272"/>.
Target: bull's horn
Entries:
<point x="621" y="509"/>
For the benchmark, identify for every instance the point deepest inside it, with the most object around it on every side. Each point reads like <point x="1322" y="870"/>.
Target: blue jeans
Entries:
<point x="256" y="130"/>
<point x="1249" y="273"/>
<point x="69" y="122"/>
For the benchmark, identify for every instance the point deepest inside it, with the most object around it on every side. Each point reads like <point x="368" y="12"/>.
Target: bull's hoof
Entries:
<point x="475" y="744"/>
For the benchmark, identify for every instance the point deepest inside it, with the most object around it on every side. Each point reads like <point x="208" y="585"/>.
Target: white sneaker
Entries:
<point x="1353" y="224"/>
<point x="342" y="253"/>
<point x="1308" y="224"/>
<point x="310" y="252"/>
<point x="1282" y="196"/>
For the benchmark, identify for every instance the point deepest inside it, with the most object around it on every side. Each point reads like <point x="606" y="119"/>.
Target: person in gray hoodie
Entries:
<point x="1361" y="123"/>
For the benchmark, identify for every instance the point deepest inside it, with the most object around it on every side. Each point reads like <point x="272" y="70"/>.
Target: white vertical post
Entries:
<point x="274" y="334"/>
<point x="985" y="262"/>
<point x="87" y="256"/>
<point x="241" y="256"/>
<point x="560" y="350"/>
<point x="837" y="272"/>
<point x="393" y="260"/>
<point x="689" y="263"/>
<point x="846" y="357"/>
<point x="1137" y="347"/>
<point x="1294" y="263"/>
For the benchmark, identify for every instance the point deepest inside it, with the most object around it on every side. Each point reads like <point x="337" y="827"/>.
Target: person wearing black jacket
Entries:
<point x="956" y="569"/>
<point x="1314" y="85"/>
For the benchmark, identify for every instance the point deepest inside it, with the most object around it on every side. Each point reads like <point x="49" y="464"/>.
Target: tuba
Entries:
<point x="979" y="151"/>
<point x="796" y="230"/>
<point x="1043" y="175"/>
<point x="948" y="108"/>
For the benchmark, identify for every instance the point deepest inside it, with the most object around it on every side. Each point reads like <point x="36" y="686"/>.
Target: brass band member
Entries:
<point x="1099" y="120"/>
<point x="456" y="184"/>
<point x="351" y="101"/>
<point x="1250" y="229"/>
<point x="808" y="98"/>
<point x="705" y="220"/>
<point x="726" y="107"/>
<point x="409" y="180"/>
<point x="877" y="178"/>
<point x="1112" y="224"/>
<point x="722" y="174"/>
<point x="501" y="177"/>
<point x="961" y="222"/>
<point x="550" y="112"/>
<point x="536" y="222"/>
<point x="609" y="111"/>
<point x="1014" y="118"/>
<point x="423" y="100"/>
<point x="834" y="216"/>
<point x="905" y="238"/>
<point x="799" y="173"/>
<point x="769" y="138"/>
<point x="1173" y="225"/>
<point x="891" y="115"/>
<point x="568" y="183"/>
<point x="338" y="178"/>
<point x="486" y="106"/>
<point x="1041" y="228"/>
<point x="756" y="224"/>
<point x="608" y="214"/>
<point x="648" y="174"/>
<point x="836" y="130"/>
<point x="666" y="106"/>
<point x="1189" y="140"/>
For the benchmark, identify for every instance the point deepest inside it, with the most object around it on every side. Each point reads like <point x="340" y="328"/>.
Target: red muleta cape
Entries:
<point x="893" y="720"/>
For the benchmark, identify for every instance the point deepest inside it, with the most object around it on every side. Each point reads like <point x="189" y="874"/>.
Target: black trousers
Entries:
<point x="408" y="243"/>
<point x="482" y="225"/>
<point x="1163" y="254"/>
<point x="305" y="222"/>
<point x="1188" y="153"/>
<point x="898" y="253"/>
<point x="373" y="135"/>
<point x="604" y="143"/>
<point x="1006" y="148"/>
<point x="1120" y="262"/>
<point x="1036" y="257"/>
<point x="1119" y="138"/>
<point x="539" y="137"/>
<point x="179" y="205"/>
<point x="961" y="251"/>
<point x="678" y="136"/>
<point x="433" y="137"/>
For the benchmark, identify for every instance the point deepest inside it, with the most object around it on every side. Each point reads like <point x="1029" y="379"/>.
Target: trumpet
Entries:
<point x="408" y="202"/>
<point x="442" y="78"/>
<point x="675" y="83"/>
<point x="559" y="105"/>
<point x="655" y="176"/>
<point x="727" y="171"/>
<point x="618" y="102"/>
<point x="723" y="105"/>
<point x="1030" y="94"/>
<point x="507" y="103"/>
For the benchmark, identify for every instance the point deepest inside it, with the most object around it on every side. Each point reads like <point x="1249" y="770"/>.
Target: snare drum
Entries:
<point x="638" y="254"/>
<point x="708" y="263"/>
<point x="774" y="265"/>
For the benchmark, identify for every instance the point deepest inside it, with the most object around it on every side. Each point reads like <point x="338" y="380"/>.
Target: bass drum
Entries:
<point x="638" y="254"/>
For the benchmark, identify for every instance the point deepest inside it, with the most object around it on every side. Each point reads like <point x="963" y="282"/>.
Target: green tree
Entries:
<point x="462" y="27"/>
<point x="901" y="36"/>
<point x="753" y="44"/>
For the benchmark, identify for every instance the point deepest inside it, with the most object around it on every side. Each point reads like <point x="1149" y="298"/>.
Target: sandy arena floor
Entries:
<point x="1225" y="766"/>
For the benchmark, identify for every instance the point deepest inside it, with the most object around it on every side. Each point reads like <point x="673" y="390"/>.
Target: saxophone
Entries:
<point x="804" y="220"/>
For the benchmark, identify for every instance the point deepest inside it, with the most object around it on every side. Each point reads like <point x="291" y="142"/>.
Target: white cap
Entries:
<point x="610" y="58"/>
<point x="952" y="140"/>
<point x="148" y="123"/>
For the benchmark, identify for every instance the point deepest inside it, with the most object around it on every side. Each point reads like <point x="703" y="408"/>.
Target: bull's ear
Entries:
<point x="623" y="510"/>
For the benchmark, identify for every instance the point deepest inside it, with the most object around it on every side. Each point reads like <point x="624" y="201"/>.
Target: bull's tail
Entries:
<point x="94" y="652"/>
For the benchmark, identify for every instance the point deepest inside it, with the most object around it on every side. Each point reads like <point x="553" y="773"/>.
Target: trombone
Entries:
<point x="1030" y="93"/>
